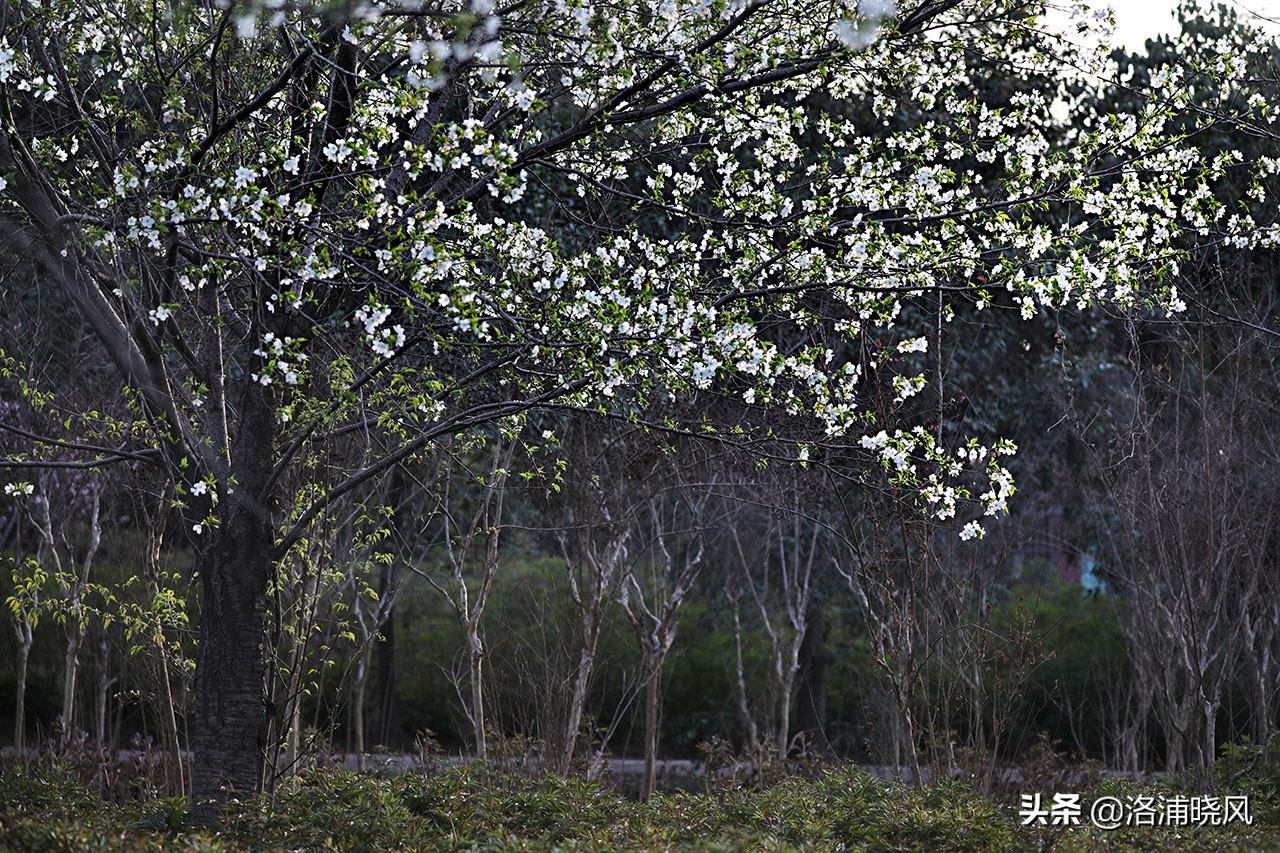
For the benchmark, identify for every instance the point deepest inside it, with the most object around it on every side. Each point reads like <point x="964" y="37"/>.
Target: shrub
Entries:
<point x="476" y="808"/>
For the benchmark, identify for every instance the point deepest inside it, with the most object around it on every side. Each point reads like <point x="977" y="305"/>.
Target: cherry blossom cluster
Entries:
<point x="589" y="203"/>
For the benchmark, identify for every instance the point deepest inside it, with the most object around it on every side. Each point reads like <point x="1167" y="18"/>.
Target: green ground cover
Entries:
<point x="50" y="809"/>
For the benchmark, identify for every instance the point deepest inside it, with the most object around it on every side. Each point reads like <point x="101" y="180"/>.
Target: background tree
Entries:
<point x="673" y="530"/>
<point x="473" y="536"/>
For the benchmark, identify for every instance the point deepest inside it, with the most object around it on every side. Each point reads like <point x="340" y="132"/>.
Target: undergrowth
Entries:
<point x="475" y="808"/>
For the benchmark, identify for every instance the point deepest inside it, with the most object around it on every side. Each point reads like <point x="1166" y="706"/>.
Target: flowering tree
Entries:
<point x="295" y="225"/>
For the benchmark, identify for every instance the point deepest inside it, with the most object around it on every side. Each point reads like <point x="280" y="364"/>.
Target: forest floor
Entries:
<point x="51" y="808"/>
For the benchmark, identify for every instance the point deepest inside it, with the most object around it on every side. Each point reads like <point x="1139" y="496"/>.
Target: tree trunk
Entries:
<point x="20" y="709"/>
<point x="652" y="708"/>
<point x="102" y="693"/>
<point x="292" y="745"/>
<point x="292" y="710"/>
<point x="1132" y="742"/>
<point x="811" y="692"/>
<point x="895" y="727"/>
<point x="582" y="680"/>
<point x="1209" y="744"/>
<point x="359" y="682"/>
<point x="388" y="705"/>
<point x="782" y="735"/>
<point x="1175" y="725"/>
<point x="176" y="772"/>
<point x="231" y="722"/>
<point x="477" y="692"/>
<point x="593" y="623"/>
<point x="786" y="670"/>
<point x="386" y="709"/>
<point x="229" y="726"/>
<point x="909" y="734"/>
<point x="740" y="681"/>
<point x="71" y="666"/>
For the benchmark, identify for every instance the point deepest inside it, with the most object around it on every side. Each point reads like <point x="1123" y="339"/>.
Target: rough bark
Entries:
<point x="230" y="709"/>
<point x="229" y="728"/>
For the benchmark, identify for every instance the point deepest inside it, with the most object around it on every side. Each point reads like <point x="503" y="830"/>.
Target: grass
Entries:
<point x="480" y="809"/>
